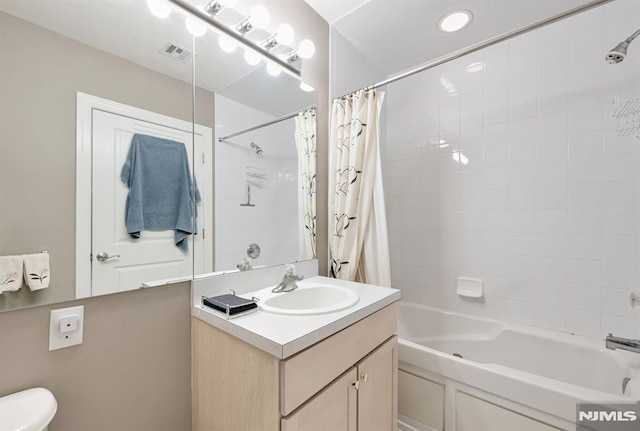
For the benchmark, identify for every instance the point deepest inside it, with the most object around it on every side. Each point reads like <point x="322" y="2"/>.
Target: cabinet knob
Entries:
<point x="356" y="385"/>
<point x="365" y="377"/>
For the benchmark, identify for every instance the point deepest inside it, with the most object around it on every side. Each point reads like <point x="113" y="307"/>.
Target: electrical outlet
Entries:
<point x="66" y="326"/>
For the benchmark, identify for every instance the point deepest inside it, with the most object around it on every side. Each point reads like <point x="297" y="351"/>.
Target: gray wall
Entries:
<point x="132" y="373"/>
<point x="38" y="139"/>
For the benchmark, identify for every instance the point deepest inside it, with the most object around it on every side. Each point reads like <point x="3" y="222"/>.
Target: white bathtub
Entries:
<point x="511" y="377"/>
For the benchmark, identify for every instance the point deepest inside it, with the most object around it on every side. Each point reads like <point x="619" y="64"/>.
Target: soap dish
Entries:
<point x="470" y="287"/>
<point x="231" y="305"/>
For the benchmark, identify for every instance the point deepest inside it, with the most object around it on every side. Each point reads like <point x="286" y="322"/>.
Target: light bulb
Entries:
<point x="227" y="44"/>
<point x="284" y="34"/>
<point x="259" y="17"/>
<point x="306" y="49"/>
<point x="160" y="8"/>
<point x="251" y="57"/>
<point x="273" y="69"/>
<point x="306" y="87"/>
<point x="195" y="26"/>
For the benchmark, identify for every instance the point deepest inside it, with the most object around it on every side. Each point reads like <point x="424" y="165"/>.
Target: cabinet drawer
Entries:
<point x="309" y="371"/>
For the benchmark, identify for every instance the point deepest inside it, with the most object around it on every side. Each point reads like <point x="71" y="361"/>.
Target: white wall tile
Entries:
<point x="523" y="152"/>
<point x="547" y="206"/>
<point x="551" y="244"/>
<point x="551" y="221"/>
<point x="520" y="311"/>
<point x="552" y="148"/>
<point x="621" y="275"/>
<point x="496" y="156"/>
<point x="584" y="246"/>
<point x="616" y="302"/>
<point x="585" y="221"/>
<point x="620" y="248"/>
<point x="549" y="316"/>
<point x="620" y="221"/>
<point x="551" y="196"/>
<point x="547" y="292"/>
<point x="585" y="196"/>
<point x="523" y="130"/>
<point x="585" y="144"/>
<point x="521" y="221"/>
<point x="583" y="322"/>
<point x="550" y="269"/>
<point x="585" y="272"/>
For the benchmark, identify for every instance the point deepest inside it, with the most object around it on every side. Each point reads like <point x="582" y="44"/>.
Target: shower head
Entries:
<point x="619" y="52"/>
<point x="256" y="147"/>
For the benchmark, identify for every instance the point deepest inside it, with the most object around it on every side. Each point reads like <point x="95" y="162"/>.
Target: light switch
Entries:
<point x="66" y="327"/>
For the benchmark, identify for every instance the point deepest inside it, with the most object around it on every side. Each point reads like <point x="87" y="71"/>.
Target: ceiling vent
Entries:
<point x="177" y="52"/>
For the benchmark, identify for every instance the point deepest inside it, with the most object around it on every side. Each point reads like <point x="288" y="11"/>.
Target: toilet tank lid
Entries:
<point x="29" y="410"/>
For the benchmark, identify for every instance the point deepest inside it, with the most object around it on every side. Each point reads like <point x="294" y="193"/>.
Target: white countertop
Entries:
<point x="283" y="335"/>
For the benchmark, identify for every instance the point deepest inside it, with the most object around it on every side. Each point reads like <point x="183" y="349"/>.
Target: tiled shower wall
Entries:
<point x="507" y="165"/>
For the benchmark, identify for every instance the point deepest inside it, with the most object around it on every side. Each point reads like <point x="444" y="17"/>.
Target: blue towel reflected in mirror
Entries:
<point x="161" y="191"/>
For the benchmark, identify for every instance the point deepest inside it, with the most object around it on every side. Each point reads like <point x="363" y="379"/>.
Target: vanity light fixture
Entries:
<point x="455" y="20"/>
<point x="159" y="8"/>
<point x="283" y="36"/>
<point x="305" y="50"/>
<point x="214" y="7"/>
<point x="258" y="18"/>
<point x="201" y="19"/>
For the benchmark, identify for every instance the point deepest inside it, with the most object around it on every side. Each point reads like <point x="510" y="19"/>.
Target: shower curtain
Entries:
<point x="305" y="137"/>
<point x="358" y="242"/>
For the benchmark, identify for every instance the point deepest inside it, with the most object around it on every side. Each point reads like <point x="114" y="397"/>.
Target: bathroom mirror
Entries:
<point x="82" y="80"/>
<point x="263" y="170"/>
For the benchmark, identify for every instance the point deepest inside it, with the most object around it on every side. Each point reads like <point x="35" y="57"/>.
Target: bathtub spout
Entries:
<point x="613" y="343"/>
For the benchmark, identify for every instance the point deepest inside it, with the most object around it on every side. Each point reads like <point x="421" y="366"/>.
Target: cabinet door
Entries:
<point x="333" y="408"/>
<point x="378" y="392"/>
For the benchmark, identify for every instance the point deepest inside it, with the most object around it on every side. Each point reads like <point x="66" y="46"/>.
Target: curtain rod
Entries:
<point x="489" y="42"/>
<point x="192" y="10"/>
<point x="260" y="126"/>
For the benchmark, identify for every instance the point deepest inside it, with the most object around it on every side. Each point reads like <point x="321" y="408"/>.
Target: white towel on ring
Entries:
<point x="36" y="270"/>
<point x="10" y="273"/>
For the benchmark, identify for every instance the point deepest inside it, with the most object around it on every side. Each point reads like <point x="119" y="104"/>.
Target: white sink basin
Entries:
<point x="310" y="299"/>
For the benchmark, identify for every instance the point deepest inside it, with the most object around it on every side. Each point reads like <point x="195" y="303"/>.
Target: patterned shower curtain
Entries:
<point x="305" y="136"/>
<point x="358" y="242"/>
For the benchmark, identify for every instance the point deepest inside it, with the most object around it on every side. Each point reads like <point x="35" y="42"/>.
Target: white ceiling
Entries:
<point x="395" y="35"/>
<point x="127" y="29"/>
<point x="332" y="10"/>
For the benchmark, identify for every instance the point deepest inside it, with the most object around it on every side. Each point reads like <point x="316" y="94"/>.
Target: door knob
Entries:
<point x="103" y="257"/>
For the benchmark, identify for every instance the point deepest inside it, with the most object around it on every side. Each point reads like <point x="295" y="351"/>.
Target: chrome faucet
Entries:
<point x="289" y="281"/>
<point x="245" y="265"/>
<point x="613" y="343"/>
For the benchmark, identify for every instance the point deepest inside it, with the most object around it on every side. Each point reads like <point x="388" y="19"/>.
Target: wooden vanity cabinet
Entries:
<point x="347" y="381"/>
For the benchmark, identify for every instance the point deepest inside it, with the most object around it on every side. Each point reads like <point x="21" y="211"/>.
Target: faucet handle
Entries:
<point x="290" y="270"/>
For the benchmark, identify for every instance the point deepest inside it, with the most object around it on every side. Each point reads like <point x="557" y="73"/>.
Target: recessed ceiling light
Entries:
<point x="454" y="21"/>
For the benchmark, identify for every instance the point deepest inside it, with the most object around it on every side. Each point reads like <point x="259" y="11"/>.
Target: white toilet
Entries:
<point x="30" y="410"/>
